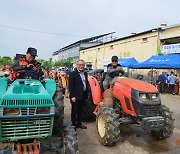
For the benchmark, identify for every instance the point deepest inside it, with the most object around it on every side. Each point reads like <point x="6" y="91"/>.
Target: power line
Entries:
<point x="34" y="31"/>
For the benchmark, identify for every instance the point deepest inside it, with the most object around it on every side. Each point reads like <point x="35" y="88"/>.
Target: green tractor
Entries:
<point x="31" y="118"/>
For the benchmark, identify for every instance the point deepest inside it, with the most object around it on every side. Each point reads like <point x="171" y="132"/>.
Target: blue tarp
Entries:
<point x="127" y="62"/>
<point x="161" y="62"/>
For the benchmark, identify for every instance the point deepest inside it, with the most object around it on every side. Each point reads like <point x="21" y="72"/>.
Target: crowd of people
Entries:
<point x="169" y="80"/>
<point x="5" y="70"/>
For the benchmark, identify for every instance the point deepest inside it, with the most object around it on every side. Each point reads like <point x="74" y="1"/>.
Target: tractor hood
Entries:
<point x="26" y="92"/>
<point x="25" y="89"/>
<point x="138" y="85"/>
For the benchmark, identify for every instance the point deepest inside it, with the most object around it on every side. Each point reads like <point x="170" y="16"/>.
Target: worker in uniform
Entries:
<point x="27" y="67"/>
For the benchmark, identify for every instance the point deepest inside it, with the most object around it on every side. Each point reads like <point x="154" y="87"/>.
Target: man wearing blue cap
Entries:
<point x="27" y="66"/>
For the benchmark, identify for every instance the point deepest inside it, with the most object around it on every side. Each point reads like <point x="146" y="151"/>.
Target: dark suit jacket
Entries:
<point x="76" y="85"/>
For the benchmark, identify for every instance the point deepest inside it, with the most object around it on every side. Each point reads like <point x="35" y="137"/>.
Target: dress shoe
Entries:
<point x="81" y="126"/>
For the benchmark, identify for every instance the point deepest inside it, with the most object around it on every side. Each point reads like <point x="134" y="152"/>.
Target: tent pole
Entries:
<point x="151" y="74"/>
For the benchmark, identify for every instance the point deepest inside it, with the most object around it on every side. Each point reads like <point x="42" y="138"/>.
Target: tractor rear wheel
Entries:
<point x="59" y="111"/>
<point x="70" y="142"/>
<point x="168" y="124"/>
<point x="66" y="143"/>
<point x="89" y="108"/>
<point x="108" y="126"/>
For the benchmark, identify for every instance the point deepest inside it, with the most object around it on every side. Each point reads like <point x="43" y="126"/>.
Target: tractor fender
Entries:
<point x="95" y="89"/>
<point x="50" y="86"/>
<point x="108" y="98"/>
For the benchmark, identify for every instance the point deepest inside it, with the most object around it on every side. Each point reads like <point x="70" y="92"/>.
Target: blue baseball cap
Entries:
<point x="32" y="51"/>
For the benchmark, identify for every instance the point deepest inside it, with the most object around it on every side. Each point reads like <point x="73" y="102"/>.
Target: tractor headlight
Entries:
<point x="143" y="97"/>
<point x="43" y="110"/>
<point x="11" y="111"/>
<point x="154" y="97"/>
<point x="148" y="97"/>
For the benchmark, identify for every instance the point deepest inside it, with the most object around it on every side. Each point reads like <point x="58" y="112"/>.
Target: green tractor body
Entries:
<point x="26" y="109"/>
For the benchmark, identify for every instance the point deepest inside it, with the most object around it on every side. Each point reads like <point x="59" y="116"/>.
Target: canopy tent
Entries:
<point x="127" y="62"/>
<point x="160" y="62"/>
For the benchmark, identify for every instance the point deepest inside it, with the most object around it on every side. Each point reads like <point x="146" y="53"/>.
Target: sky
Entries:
<point x="49" y="25"/>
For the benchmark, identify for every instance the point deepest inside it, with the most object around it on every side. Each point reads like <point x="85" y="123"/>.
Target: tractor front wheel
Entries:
<point x="168" y="124"/>
<point x="108" y="126"/>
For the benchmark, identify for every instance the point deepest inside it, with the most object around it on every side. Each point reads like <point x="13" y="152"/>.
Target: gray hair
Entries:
<point x="80" y="60"/>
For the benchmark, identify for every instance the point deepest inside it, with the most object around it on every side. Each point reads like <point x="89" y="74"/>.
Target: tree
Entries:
<point x="65" y="63"/>
<point x="6" y="60"/>
<point x="69" y="62"/>
<point x="47" y="64"/>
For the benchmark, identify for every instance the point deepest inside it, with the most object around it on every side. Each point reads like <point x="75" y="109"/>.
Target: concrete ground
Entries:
<point x="133" y="138"/>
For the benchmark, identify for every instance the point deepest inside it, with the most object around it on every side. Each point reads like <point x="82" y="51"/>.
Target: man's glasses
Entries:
<point x="81" y="64"/>
<point x="114" y="60"/>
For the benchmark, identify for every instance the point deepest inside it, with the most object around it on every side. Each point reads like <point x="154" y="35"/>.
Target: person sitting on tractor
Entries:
<point x="27" y="67"/>
<point x="113" y="71"/>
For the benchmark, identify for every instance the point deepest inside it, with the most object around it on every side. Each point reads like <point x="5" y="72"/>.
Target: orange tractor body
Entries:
<point x="128" y="101"/>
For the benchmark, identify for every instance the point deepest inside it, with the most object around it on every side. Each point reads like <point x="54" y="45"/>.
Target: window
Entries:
<point x="111" y="47"/>
<point x="144" y="40"/>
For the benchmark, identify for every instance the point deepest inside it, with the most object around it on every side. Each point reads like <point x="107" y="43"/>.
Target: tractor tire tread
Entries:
<point x="112" y="126"/>
<point x="168" y="124"/>
<point x="59" y="111"/>
<point x="70" y="140"/>
<point x="89" y="108"/>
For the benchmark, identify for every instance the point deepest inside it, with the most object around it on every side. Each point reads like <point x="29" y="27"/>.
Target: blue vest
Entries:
<point x="30" y="73"/>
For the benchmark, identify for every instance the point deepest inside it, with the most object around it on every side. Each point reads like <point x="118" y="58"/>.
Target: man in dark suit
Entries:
<point x="78" y="89"/>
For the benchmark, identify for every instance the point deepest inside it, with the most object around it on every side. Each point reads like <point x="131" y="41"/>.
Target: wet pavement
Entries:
<point x="133" y="138"/>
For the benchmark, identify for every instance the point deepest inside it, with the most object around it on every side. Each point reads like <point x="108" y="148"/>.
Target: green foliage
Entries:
<point x="65" y="63"/>
<point x="6" y="60"/>
<point x="47" y="64"/>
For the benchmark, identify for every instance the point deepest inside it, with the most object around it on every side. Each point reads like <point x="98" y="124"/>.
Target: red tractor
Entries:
<point x="128" y="101"/>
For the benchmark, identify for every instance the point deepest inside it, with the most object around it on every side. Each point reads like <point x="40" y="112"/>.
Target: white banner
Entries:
<point x="171" y="48"/>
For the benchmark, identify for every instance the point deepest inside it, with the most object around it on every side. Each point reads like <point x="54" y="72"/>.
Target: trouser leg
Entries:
<point x="80" y="111"/>
<point x="74" y="110"/>
<point x="163" y="87"/>
<point x="160" y="89"/>
<point x="105" y="85"/>
<point x="171" y="87"/>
